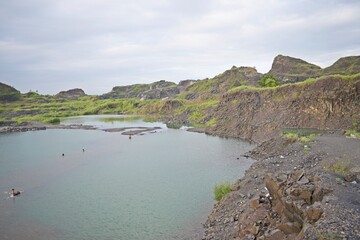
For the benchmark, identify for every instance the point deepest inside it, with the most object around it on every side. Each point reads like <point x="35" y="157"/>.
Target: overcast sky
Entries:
<point x="54" y="45"/>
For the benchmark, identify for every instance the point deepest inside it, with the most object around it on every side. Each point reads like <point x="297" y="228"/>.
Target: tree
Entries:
<point x="268" y="81"/>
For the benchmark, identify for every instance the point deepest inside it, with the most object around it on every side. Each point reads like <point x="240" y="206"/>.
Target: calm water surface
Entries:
<point x="155" y="186"/>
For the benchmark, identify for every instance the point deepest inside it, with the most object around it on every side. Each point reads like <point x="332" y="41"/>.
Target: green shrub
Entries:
<point x="54" y="121"/>
<point x="221" y="190"/>
<point x="268" y="81"/>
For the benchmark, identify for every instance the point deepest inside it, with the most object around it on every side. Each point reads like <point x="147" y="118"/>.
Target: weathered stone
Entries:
<point x="289" y="228"/>
<point x="303" y="181"/>
<point x="274" y="235"/>
<point x="350" y="177"/>
<point x="319" y="193"/>
<point x="254" y="203"/>
<point x="294" y="191"/>
<point x="255" y="229"/>
<point x="306" y="195"/>
<point x="296" y="175"/>
<point x="273" y="186"/>
<point x="313" y="213"/>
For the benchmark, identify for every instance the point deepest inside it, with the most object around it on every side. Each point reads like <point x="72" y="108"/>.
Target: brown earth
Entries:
<point x="330" y="103"/>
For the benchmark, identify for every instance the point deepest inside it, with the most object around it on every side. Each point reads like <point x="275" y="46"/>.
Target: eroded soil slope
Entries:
<point x="258" y="115"/>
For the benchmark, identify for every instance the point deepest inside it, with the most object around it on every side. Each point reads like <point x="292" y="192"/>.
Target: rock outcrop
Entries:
<point x="258" y="115"/>
<point x="72" y="94"/>
<point x="184" y="84"/>
<point x="156" y="90"/>
<point x="289" y="70"/>
<point x="8" y="93"/>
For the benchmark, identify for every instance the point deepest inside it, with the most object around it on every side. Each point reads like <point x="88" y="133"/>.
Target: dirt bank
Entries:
<point x="292" y="192"/>
<point x="259" y="115"/>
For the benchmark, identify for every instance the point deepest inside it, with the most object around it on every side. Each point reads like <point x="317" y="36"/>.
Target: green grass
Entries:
<point x="296" y="137"/>
<point x="307" y="82"/>
<point x="339" y="167"/>
<point x="242" y="88"/>
<point x="221" y="190"/>
<point x="352" y="133"/>
<point x="340" y="181"/>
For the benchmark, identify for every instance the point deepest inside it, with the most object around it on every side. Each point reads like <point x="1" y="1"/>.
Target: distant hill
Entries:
<point x="156" y="90"/>
<point x="8" y="93"/>
<point x="234" y="77"/>
<point x="72" y="94"/>
<point x="285" y="68"/>
<point x="345" y="66"/>
<point x="289" y="69"/>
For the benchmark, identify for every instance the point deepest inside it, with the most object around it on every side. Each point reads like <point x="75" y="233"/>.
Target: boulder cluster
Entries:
<point x="284" y="209"/>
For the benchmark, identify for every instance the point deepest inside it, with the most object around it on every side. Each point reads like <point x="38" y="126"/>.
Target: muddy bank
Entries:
<point x="10" y="126"/>
<point x="292" y="192"/>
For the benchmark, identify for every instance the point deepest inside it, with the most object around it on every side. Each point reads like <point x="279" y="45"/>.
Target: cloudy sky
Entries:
<point x="53" y="45"/>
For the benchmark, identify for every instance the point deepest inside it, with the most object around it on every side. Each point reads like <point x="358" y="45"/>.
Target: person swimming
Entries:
<point x="14" y="193"/>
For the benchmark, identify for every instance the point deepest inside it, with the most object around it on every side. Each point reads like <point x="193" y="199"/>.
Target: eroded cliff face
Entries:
<point x="258" y="115"/>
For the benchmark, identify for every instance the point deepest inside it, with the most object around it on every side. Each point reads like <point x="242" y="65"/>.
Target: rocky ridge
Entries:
<point x="290" y="70"/>
<point x="156" y="90"/>
<point x="72" y="94"/>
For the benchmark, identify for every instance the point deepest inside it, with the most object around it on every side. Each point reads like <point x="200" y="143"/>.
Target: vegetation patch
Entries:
<point x="296" y="137"/>
<point x="211" y="122"/>
<point x="54" y="121"/>
<point x="339" y="167"/>
<point x="268" y="81"/>
<point x="352" y="134"/>
<point x="340" y="181"/>
<point x="221" y="190"/>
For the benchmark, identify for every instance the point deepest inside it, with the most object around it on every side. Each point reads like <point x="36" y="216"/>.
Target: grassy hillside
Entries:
<point x="344" y="66"/>
<point x="209" y="88"/>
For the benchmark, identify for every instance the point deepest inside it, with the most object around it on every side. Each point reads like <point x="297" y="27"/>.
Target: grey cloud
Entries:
<point x="54" y="45"/>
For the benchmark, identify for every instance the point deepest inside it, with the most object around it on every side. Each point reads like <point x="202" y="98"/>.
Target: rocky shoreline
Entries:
<point x="292" y="192"/>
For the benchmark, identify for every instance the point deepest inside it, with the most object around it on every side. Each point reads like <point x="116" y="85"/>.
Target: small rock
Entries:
<point x="314" y="213"/>
<point x="350" y="177"/>
<point x="282" y="157"/>
<point x="254" y="203"/>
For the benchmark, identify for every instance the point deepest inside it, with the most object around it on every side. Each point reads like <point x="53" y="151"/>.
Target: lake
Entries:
<point x="152" y="186"/>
